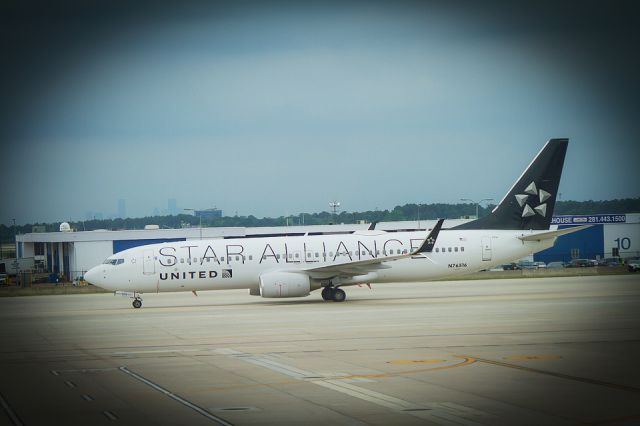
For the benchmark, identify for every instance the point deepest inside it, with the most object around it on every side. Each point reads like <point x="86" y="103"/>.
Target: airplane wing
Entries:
<point x="553" y="234"/>
<point x="363" y="267"/>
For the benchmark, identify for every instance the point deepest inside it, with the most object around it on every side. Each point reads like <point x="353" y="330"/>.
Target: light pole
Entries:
<point x="16" y="264"/>
<point x="477" y="203"/>
<point x="15" y="235"/>
<point x="334" y="205"/>
<point x="200" y="216"/>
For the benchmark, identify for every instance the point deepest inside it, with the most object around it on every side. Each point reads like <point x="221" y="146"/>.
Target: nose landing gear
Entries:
<point x="137" y="299"/>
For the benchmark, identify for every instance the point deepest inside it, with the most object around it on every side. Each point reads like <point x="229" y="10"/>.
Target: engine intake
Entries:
<point x="284" y="284"/>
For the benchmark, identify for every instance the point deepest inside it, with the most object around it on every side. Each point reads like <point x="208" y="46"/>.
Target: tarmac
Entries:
<point x="537" y="351"/>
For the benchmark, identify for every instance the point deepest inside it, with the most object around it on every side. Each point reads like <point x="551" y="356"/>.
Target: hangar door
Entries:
<point x="486" y="248"/>
<point x="148" y="263"/>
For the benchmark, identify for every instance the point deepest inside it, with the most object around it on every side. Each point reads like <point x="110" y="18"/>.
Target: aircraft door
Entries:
<point x="486" y="248"/>
<point x="148" y="262"/>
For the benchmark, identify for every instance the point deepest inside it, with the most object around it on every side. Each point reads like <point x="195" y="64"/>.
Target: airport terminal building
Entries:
<point x="71" y="253"/>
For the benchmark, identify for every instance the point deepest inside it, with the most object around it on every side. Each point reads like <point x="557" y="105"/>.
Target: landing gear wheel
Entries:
<point x="137" y="303"/>
<point x="327" y="293"/>
<point x="339" y="295"/>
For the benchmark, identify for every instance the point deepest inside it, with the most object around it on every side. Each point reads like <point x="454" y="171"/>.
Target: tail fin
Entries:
<point x="530" y="201"/>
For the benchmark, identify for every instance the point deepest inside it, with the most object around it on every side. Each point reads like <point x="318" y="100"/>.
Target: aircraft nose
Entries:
<point x="94" y="276"/>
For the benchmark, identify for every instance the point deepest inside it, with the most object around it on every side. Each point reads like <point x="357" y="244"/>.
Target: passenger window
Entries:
<point x="449" y="249"/>
<point x="208" y="259"/>
<point x="278" y="256"/>
<point x="297" y="255"/>
<point x="250" y="257"/>
<point x="181" y="260"/>
<point x="461" y="248"/>
<point x="330" y="254"/>
<point x="437" y="250"/>
<point x="222" y="259"/>
<point x="317" y="255"/>
<point x="455" y="249"/>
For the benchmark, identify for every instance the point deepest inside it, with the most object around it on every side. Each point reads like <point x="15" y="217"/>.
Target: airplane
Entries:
<point x="294" y="266"/>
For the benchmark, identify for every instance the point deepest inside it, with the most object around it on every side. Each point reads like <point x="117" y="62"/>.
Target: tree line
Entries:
<point x="398" y="213"/>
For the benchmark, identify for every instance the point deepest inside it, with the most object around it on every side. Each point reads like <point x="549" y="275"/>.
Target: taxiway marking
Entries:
<point x="12" y="415"/>
<point x="175" y="397"/>
<point x="561" y="375"/>
<point x="445" y="415"/>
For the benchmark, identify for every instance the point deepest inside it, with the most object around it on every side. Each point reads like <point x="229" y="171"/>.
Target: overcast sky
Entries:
<point x="274" y="108"/>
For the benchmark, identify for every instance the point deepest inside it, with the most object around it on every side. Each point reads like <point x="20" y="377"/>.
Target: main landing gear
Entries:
<point x="333" y="293"/>
<point x="137" y="302"/>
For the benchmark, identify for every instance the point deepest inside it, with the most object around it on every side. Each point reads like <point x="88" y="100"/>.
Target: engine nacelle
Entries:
<point x="284" y="284"/>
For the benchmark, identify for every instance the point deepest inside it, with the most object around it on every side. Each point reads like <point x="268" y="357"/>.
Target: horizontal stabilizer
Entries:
<point x="553" y="234"/>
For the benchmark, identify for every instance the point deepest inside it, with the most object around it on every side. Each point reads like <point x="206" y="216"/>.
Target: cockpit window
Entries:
<point x="113" y="261"/>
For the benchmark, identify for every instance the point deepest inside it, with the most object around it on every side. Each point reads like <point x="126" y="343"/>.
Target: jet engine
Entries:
<point x="284" y="284"/>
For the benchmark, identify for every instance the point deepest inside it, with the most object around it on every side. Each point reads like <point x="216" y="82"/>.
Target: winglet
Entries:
<point x="430" y="241"/>
<point x="372" y="226"/>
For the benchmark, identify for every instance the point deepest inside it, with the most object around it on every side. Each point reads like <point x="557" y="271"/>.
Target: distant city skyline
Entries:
<point x="121" y="211"/>
<point x="269" y="108"/>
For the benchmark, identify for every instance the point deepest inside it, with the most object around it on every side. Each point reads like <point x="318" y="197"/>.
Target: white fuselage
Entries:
<point x="238" y="263"/>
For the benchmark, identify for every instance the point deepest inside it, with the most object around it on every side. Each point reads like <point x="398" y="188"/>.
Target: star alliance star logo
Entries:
<point x="430" y="240"/>
<point x="540" y="194"/>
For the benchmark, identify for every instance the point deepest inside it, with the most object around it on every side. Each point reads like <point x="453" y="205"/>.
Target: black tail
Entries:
<point x="530" y="201"/>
